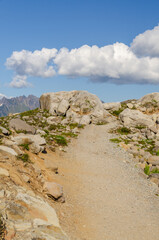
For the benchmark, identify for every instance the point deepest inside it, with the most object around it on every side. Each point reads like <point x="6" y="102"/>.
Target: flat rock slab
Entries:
<point x="8" y="150"/>
<point x="20" y="125"/>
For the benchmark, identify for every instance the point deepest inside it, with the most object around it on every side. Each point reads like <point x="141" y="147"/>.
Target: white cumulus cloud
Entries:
<point x="19" y="81"/>
<point x="147" y="43"/>
<point x="114" y="63"/>
<point x="26" y="63"/>
<point x="117" y="63"/>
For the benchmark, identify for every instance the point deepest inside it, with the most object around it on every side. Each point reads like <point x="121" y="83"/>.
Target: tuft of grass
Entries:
<point x="23" y="157"/>
<point x="126" y="141"/>
<point x="60" y="140"/>
<point x="55" y="127"/>
<point x="43" y="124"/>
<point x="81" y="126"/>
<point x="148" y="145"/>
<point x="140" y="127"/>
<point x="29" y="113"/>
<point x="73" y="125"/>
<point x="117" y="112"/>
<point x="147" y="169"/>
<point x="101" y="123"/>
<point x="69" y="134"/>
<point x="123" y="130"/>
<point x="155" y="170"/>
<point x="115" y="140"/>
<point x="25" y="146"/>
<point x="21" y="131"/>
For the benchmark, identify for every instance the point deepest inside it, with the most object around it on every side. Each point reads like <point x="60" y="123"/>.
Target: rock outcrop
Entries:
<point x="77" y="106"/>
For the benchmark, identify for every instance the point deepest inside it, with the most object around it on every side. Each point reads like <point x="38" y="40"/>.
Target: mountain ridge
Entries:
<point x="18" y="104"/>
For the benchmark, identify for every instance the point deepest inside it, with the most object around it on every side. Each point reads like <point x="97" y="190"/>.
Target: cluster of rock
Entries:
<point x="140" y="121"/>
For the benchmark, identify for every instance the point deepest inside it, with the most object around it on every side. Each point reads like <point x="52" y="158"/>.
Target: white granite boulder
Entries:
<point x="74" y="105"/>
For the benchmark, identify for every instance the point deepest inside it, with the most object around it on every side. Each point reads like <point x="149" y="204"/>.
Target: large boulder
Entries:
<point x="133" y="118"/>
<point x="149" y="102"/>
<point x="20" y="125"/>
<point x="74" y="105"/>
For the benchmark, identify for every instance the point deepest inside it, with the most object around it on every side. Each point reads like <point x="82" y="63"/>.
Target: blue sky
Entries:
<point x="36" y="24"/>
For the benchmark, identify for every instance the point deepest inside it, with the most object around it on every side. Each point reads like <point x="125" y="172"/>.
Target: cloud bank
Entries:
<point x="117" y="63"/>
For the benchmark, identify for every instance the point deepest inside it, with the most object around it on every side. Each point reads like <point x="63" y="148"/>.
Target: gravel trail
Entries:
<point x="107" y="198"/>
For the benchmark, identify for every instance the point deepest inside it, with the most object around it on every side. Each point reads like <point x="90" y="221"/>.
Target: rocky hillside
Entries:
<point x="18" y="104"/>
<point x="29" y="187"/>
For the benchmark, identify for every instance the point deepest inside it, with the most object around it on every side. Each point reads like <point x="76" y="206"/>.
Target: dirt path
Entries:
<point x="106" y="197"/>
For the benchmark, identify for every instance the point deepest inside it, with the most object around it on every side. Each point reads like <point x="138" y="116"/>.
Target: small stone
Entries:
<point x="154" y="180"/>
<point x="54" y="189"/>
<point x="4" y="172"/>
